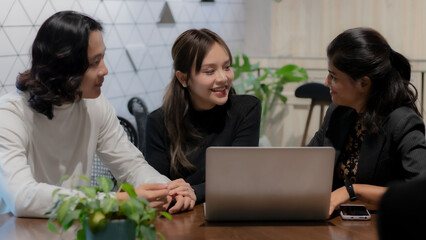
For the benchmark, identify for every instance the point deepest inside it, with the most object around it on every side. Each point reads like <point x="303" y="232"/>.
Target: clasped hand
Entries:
<point x="161" y="195"/>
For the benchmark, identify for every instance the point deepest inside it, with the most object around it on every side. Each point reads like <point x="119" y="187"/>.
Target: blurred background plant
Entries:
<point x="266" y="84"/>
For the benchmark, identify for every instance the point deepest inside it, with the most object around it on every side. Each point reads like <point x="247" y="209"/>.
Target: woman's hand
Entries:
<point x="157" y="195"/>
<point x="179" y="186"/>
<point x="183" y="195"/>
<point x="182" y="204"/>
<point x="366" y="193"/>
<point x="338" y="197"/>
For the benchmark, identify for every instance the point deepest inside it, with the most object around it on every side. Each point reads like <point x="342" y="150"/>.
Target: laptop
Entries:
<point x="268" y="183"/>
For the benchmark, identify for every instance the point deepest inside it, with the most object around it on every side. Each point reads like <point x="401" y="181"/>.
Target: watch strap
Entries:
<point x="350" y="189"/>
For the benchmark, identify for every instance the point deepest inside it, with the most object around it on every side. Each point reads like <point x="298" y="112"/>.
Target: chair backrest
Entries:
<point x="139" y="110"/>
<point x="315" y="91"/>
<point x="132" y="134"/>
<point x="98" y="168"/>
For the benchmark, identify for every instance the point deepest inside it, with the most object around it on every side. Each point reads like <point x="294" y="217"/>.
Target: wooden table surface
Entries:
<point x="192" y="225"/>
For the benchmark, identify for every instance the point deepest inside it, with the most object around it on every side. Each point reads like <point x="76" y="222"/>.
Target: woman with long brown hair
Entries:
<point x="200" y="109"/>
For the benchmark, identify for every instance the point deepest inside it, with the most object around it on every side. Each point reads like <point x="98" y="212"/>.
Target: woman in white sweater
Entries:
<point x="58" y="119"/>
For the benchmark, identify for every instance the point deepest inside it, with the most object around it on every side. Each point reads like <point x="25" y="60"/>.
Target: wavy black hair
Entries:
<point x="361" y="52"/>
<point x="59" y="60"/>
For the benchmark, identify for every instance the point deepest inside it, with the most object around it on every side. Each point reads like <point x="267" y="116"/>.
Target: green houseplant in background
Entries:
<point x="100" y="215"/>
<point x="266" y="84"/>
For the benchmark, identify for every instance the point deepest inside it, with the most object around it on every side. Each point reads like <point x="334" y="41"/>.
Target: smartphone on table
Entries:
<point x="354" y="212"/>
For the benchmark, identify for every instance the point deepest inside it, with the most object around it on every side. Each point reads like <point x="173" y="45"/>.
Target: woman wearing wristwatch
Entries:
<point x="373" y="123"/>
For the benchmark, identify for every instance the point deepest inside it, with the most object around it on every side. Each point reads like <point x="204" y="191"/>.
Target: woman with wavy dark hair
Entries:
<point x="53" y="125"/>
<point x="200" y="109"/>
<point x="373" y="123"/>
<point x="59" y="60"/>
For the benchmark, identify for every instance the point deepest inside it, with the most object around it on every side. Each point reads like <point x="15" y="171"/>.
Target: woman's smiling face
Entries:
<point x="345" y="91"/>
<point x="95" y="73"/>
<point x="210" y="86"/>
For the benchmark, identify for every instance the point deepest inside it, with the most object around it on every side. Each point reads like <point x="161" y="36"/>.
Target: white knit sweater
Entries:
<point x="36" y="152"/>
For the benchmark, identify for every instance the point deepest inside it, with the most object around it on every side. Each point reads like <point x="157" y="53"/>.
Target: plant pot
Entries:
<point x="123" y="229"/>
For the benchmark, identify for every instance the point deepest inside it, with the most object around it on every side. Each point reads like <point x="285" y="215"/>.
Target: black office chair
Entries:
<point x="139" y="110"/>
<point x="319" y="95"/>
<point x="132" y="134"/>
<point x="98" y="168"/>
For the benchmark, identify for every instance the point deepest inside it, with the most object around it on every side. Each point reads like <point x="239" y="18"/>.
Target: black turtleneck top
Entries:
<point x="235" y="123"/>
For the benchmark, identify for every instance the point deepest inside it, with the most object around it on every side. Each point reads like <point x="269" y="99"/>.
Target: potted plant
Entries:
<point x="100" y="215"/>
<point x="266" y="84"/>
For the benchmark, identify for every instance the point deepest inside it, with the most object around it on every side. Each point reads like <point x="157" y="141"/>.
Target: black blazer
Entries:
<point x="396" y="152"/>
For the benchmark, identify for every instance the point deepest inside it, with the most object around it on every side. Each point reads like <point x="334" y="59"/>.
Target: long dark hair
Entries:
<point x="189" y="48"/>
<point x="361" y="52"/>
<point x="59" y="60"/>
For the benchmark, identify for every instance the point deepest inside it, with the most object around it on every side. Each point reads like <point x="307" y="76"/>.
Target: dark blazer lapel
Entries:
<point x="369" y="156"/>
<point x="341" y="123"/>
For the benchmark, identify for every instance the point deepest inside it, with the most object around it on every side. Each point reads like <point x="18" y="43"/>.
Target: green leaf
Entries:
<point x="239" y="88"/>
<point x="63" y="178"/>
<point x="55" y="207"/>
<point x="263" y="77"/>
<point x="148" y="217"/>
<point x="90" y="192"/>
<point x="166" y="215"/>
<point x="55" y="192"/>
<point x="286" y="69"/>
<point x="129" y="189"/>
<point x="291" y="73"/>
<point x="268" y="71"/>
<point x="52" y="227"/>
<point x="252" y="80"/>
<point x="283" y="98"/>
<point x="237" y="60"/>
<point x="148" y="232"/>
<point x="265" y="89"/>
<point x="81" y="234"/>
<point x="236" y="67"/>
<point x="109" y="205"/>
<point x="93" y="204"/>
<point x="246" y="67"/>
<point x="105" y="184"/>
<point x="161" y="235"/>
<point x="69" y="219"/>
<point x="62" y="196"/>
<point x="63" y="210"/>
<point x="131" y="208"/>
<point x="84" y="178"/>
<point x="143" y="201"/>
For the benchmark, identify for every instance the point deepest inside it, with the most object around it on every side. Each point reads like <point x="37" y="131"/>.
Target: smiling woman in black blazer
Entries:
<point x="374" y="124"/>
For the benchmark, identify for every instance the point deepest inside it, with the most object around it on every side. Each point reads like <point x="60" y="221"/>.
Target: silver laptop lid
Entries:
<point x="273" y="183"/>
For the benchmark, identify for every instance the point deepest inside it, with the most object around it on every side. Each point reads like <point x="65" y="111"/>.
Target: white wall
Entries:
<point x="129" y="24"/>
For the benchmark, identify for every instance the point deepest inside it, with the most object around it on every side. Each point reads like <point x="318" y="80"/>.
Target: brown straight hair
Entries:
<point x="189" y="48"/>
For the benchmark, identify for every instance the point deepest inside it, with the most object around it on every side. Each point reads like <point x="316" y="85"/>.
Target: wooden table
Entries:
<point x="192" y="225"/>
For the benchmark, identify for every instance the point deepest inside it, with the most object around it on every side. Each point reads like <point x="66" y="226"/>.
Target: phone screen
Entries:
<point x="354" y="210"/>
